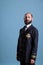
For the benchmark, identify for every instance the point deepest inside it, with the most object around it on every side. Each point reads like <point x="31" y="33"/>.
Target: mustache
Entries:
<point x="26" y="20"/>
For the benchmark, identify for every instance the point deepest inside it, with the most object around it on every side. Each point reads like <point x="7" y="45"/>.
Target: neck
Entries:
<point x="28" y="25"/>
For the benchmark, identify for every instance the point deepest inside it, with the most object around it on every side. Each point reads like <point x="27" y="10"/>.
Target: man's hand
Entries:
<point x="32" y="61"/>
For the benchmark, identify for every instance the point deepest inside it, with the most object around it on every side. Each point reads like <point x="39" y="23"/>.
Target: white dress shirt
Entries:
<point x="27" y="26"/>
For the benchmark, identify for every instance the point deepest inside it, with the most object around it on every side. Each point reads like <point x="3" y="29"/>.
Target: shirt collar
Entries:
<point x="28" y="25"/>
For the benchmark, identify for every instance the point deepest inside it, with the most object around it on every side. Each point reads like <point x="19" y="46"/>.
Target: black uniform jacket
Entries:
<point x="27" y="44"/>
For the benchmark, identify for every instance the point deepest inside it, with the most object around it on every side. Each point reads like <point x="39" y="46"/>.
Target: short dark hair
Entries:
<point x="28" y="13"/>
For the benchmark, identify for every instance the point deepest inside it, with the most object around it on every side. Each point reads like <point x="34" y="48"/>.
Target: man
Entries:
<point x="27" y="42"/>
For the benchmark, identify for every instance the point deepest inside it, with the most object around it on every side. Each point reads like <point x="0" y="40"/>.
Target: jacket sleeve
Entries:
<point x="18" y="46"/>
<point x="35" y="44"/>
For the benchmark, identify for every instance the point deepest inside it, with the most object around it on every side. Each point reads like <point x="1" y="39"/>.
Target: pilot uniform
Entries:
<point x="27" y="44"/>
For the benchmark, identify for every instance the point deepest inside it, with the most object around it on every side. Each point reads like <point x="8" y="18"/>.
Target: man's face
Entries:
<point x="27" y="18"/>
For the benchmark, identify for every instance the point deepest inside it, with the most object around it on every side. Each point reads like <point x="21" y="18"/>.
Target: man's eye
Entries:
<point x="28" y="17"/>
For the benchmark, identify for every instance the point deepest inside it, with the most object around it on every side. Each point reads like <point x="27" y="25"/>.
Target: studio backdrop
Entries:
<point x="11" y="20"/>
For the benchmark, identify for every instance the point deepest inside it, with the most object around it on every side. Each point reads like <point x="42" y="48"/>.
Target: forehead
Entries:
<point x="28" y="14"/>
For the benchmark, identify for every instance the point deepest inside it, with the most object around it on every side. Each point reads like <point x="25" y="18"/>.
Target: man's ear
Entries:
<point x="32" y="18"/>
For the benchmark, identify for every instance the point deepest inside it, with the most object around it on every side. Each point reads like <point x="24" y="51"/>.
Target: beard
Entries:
<point x="27" y="22"/>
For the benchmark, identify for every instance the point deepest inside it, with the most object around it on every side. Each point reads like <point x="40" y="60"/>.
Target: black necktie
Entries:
<point x="25" y="28"/>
